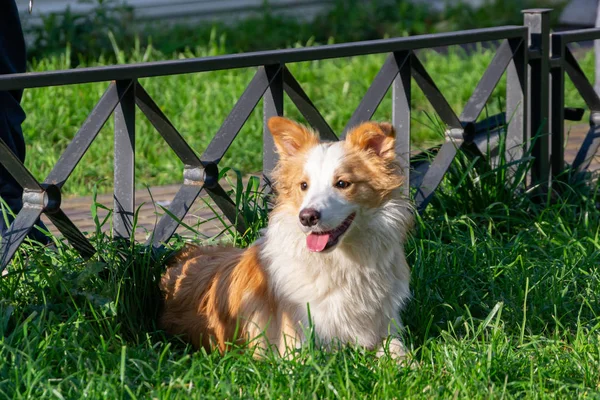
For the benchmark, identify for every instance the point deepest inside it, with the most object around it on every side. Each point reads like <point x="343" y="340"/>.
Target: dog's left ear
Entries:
<point x="377" y="137"/>
<point x="290" y="137"/>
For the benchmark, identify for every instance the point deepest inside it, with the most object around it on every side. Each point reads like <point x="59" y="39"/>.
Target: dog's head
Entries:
<point x="332" y="187"/>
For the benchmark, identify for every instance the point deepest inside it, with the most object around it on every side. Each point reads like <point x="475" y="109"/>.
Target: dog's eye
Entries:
<point x="342" y="184"/>
<point x="303" y="186"/>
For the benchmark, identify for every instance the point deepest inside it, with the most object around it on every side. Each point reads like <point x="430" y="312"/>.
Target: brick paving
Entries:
<point x="575" y="136"/>
<point x="150" y="202"/>
<point x="201" y="218"/>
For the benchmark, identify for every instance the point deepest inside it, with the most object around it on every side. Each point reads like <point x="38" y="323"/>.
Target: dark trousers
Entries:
<point x="12" y="60"/>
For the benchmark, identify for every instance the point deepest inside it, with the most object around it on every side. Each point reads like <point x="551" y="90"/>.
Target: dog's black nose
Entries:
<point x="309" y="217"/>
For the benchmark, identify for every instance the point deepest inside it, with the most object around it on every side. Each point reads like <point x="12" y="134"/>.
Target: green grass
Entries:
<point x="198" y="103"/>
<point x="506" y="303"/>
<point x="506" y="288"/>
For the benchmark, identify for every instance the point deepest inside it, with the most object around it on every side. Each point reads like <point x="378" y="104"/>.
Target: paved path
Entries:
<point x="575" y="135"/>
<point x="201" y="217"/>
<point x="150" y="202"/>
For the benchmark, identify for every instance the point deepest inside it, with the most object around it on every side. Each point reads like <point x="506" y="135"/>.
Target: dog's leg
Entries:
<point x="394" y="347"/>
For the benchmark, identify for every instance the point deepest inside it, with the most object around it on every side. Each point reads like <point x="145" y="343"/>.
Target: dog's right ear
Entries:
<point x="376" y="137"/>
<point x="290" y="137"/>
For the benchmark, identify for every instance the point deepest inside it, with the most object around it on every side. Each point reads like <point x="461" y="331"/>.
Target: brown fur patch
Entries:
<point x="290" y="137"/>
<point x="287" y="177"/>
<point x="293" y="142"/>
<point x="210" y="291"/>
<point x="370" y="164"/>
<point x="373" y="182"/>
<point x="377" y="138"/>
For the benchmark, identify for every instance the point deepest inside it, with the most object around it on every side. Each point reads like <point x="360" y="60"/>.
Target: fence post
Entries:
<point x="401" y="96"/>
<point x="557" y="108"/>
<point x="124" y="175"/>
<point x="272" y="106"/>
<point x="516" y="102"/>
<point x="538" y="22"/>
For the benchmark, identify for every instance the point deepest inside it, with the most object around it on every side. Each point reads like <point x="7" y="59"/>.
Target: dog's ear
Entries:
<point x="289" y="136"/>
<point x="379" y="138"/>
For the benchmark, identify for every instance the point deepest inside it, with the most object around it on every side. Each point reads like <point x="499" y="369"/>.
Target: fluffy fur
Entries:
<point x="353" y="289"/>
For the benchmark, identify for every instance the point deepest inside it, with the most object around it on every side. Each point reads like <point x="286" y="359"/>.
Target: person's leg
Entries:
<point x="12" y="60"/>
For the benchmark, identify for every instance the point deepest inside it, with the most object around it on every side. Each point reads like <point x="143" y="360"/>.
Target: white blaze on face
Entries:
<point x="321" y="168"/>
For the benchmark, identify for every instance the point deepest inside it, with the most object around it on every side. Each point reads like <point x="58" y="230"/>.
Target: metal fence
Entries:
<point x="533" y="59"/>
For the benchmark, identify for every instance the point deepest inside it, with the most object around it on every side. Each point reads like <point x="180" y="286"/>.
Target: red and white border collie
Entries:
<point x="333" y="252"/>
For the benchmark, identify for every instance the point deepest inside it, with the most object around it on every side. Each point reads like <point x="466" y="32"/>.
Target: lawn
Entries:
<point x="506" y="302"/>
<point x="198" y="103"/>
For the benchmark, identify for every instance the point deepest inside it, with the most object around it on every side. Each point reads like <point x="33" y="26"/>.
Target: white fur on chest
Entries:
<point x="354" y="294"/>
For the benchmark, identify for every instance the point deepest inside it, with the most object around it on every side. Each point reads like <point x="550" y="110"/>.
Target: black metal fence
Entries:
<point x="533" y="59"/>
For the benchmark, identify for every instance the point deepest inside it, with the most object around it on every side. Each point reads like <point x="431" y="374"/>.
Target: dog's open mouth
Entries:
<point x="321" y="241"/>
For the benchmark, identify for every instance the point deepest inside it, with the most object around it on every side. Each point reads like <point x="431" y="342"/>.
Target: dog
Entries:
<point x="331" y="258"/>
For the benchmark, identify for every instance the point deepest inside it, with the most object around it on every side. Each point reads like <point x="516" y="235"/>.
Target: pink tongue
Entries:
<point x="317" y="242"/>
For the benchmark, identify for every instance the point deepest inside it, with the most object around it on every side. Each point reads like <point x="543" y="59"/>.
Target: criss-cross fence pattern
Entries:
<point x="524" y="54"/>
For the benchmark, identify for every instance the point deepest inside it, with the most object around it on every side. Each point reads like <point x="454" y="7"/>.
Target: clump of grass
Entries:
<point x="252" y="203"/>
<point x="488" y="182"/>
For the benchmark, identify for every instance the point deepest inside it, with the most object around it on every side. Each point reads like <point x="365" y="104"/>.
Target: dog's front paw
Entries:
<point x="395" y="349"/>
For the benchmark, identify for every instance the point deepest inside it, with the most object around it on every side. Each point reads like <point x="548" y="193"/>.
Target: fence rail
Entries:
<point x="529" y="55"/>
<point x="254" y="59"/>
